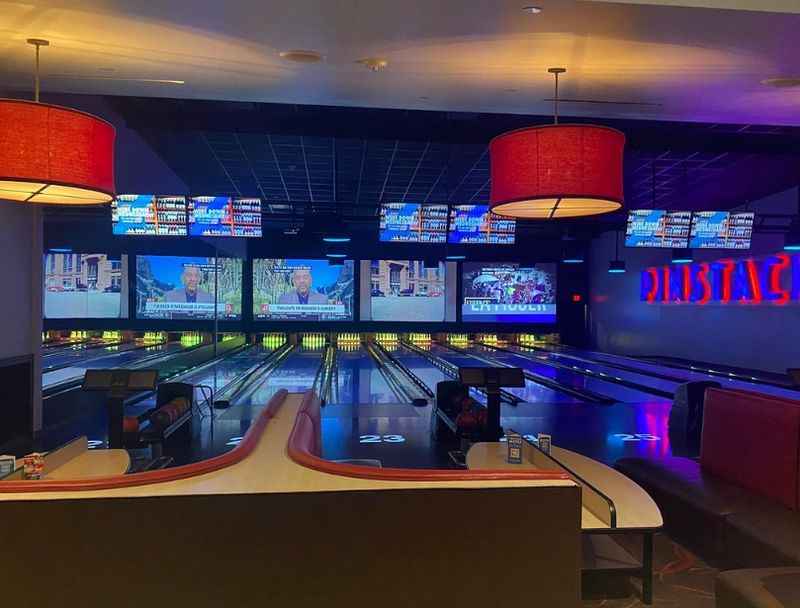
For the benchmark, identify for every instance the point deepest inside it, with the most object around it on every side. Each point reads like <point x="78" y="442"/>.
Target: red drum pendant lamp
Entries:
<point x="556" y="171"/>
<point x="54" y="155"/>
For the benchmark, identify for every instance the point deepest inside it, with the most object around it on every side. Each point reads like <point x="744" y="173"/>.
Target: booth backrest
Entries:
<point x="311" y="408"/>
<point x="753" y="440"/>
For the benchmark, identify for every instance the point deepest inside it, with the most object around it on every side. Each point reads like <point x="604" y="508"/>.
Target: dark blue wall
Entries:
<point x="762" y="337"/>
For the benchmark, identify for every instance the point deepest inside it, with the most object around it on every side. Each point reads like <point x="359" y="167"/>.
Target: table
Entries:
<point x="611" y="502"/>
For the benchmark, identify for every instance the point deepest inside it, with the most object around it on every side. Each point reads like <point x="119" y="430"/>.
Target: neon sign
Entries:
<point x="773" y="280"/>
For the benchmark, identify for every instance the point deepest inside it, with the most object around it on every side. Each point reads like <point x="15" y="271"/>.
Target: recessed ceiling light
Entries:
<point x="375" y="64"/>
<point x="781" y="83"/>
<point x="532" y="10"/>
<point x="301" y="56"/>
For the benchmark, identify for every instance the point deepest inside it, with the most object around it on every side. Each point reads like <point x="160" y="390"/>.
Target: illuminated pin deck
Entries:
<point x="313" y="340"/>
<point x="273" y="340"/>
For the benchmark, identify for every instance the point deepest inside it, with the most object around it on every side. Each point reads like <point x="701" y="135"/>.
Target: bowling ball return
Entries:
<point x="450" y="421"/>
<point x="120" y="385"/>
<point x="171" y="417"/>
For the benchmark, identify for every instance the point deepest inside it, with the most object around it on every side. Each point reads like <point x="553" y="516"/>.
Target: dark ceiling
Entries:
<point x="312" y="160"/>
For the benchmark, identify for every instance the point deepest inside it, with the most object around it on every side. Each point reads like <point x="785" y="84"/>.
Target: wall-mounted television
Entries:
<point x="224" y="216"/>
<point x="658" y="228"/>
<point x="413" y="223"/>
<point x="176" y="287"/>
<point x="303" y="290"/>
<point x="493" y="292"/>
<point x="407" y="290"/>
<point x="149" y="215"/>
<point x="721" y="230"/>
<point x="475" y="224"/>
<point x="85" y="286"/>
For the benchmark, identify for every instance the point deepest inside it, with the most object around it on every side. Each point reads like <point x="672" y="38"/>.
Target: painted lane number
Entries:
<point x="381" y="439"/>
<point x="637" y="437"/>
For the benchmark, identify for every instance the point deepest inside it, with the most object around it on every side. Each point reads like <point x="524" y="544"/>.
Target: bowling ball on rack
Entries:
<point x="466" y="421"/>
<point x="130" y="424"/>
<point x="482" y="416"/>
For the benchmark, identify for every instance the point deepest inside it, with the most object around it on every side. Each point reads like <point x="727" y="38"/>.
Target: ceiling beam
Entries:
<point x="770" y="6"/>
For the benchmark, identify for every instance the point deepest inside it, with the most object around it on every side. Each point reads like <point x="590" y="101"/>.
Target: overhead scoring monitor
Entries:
<point x="413" y="223"/>
<point x="224" y="216"/>
<point x="149" y="215"/>
<point x="721" y="230"/>
<point x="475" y="224"/>
<point x="658" y="228"/>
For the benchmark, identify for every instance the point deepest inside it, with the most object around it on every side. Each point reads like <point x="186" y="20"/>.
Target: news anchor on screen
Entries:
<point x="302" y="292"/>
<point x="190" y="292"/>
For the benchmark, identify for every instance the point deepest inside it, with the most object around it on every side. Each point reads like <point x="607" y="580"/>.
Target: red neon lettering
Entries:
<point x="651" y="295"/>
<point x="665" y="295"/>
<point x="755" y="285"/>
<point x="702" y="276"/>
<point x="727" y="273"/>
<point x="774" y="283"/>
<point x="687" y="283"/>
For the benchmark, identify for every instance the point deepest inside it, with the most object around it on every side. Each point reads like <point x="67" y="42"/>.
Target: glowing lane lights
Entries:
<point x="771" y="280"/>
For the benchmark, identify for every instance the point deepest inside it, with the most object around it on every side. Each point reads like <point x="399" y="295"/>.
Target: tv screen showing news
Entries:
<point x="508" y="293"/>
<point x="224" y="216"/>
<point x="406" y="290"/>
<point x="474" y="224"/>
<point x="303" y="290"/>
<point x="721" y="230"/>
<point x="658" y="228"/>
<point x="413" y="223"/>
<point x="172" y="287"/>
<point x="149" y="215"/>
<point x="85" y="286"/>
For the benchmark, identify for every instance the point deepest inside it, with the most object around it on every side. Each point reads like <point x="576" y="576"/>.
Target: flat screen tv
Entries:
<point x="495" y="292"/>
<point x="149" y="215"/>
<point x="475" y="224"/>
<point x="85" y="286"/>
<point x="658" y="228"/>
<point x="303" y="290"/>
<point x="721" y="230"/>
<point x="173" y="287"/>
<point x="413" y="223"/>
<point x="210" y="216"/>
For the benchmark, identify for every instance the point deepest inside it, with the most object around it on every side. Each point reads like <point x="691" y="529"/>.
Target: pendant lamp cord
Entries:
<point x="555" y="72"/>
<point x="555" y="99"/>
<point x="36" y="78"/>
<point x="38" y="43"/>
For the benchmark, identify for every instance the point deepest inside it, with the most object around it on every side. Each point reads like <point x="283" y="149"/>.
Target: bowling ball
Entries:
<point x="466" y="421"/>
<point x="483" y="416"/>
<point x="130" y="424"/>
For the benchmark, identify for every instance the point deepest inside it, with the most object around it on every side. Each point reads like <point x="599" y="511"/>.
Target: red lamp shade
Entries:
<point x="55" y="155"/>
<point x="557" y="171"/>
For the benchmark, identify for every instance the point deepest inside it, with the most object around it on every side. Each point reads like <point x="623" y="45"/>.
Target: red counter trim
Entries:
<point x="301" y="441"/>
<point x="236" y="455"/>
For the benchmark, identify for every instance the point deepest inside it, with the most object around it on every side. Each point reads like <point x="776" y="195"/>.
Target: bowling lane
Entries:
<point x="119" y="359"/>
<point x="680" y="375"/>
<point x="360" y="380"/>
<point x="420" y="366"/>
<point x="531" y="393"/>
<point x="76" y="354"/>
<point x="600" y="368"/>
<point x="295" y="374"/>
<point x="215" y="375"/>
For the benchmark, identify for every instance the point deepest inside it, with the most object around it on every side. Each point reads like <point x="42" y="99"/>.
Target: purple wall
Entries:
<point x="760" y="337"/>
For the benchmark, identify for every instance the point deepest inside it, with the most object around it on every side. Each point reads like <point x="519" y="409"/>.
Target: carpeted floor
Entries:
<point x="680" y="579"/>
